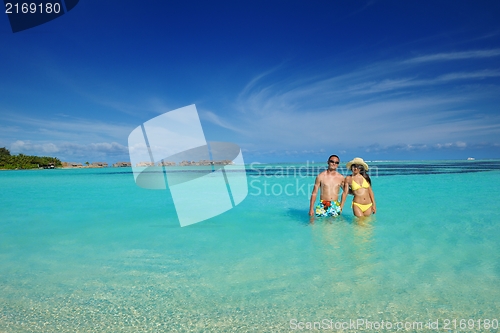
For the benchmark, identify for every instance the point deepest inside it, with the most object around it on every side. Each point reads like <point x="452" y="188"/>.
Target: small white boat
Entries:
<point x="470" y="159"/>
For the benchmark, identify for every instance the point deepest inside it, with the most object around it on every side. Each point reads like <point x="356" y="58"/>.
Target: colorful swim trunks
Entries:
<point x="328" y="208"/>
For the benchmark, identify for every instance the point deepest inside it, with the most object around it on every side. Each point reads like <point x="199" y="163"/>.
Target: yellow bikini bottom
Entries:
<point x="363" y="208"/>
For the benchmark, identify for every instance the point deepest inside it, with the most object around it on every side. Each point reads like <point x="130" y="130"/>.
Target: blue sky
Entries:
<point x="285" y="80"/>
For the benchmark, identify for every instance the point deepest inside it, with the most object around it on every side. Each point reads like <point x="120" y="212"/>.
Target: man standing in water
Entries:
<point x="329" y="182"/>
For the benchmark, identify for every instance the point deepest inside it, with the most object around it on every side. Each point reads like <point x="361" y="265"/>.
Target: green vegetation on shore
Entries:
<point x="21" y="161"/>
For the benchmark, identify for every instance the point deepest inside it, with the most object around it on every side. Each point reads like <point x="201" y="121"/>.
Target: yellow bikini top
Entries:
<point x="355" y="186"/>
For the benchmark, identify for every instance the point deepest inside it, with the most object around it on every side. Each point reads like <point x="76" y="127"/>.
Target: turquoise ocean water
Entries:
<point x="88" y="251"/>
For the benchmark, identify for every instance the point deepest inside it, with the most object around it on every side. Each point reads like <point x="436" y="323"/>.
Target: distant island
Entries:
<point x="144" y="164"/>
<point x="84" y="165"/>
<point x="185" y="163"/>
<point x="21" y="161"/>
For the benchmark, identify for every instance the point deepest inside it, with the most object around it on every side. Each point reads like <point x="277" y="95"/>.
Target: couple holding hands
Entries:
<point x="329" y="183"/>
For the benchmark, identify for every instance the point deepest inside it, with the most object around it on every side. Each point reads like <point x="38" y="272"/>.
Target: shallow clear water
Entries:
<point x="89" y="251"/>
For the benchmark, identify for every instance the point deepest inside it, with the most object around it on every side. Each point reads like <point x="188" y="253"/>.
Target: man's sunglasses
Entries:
<point x="333" y="162"/>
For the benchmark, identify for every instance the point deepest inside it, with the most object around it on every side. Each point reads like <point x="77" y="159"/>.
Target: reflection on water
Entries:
<point x="345" y="247"/>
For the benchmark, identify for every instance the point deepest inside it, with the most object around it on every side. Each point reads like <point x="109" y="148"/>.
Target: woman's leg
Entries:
<point x="368" y="212"/>
<point x="361" y="210"/>
<point x="356" y="210"/>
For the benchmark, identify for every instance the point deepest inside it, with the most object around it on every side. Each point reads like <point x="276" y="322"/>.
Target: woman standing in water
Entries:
<point x="360" y="183"/>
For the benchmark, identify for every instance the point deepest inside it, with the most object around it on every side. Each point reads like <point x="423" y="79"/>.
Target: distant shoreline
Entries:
<point x="61" y="168"/>
<point x="257" y="164"/>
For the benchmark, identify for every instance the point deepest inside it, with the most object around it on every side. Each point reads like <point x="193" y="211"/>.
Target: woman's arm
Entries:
<point x="372" y="198"/>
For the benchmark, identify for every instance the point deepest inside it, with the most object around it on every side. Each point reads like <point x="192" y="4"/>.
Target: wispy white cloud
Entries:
<point x="482" y="74"/>
<point x="28" y="146"/>
<point x="62" y="128"/>
<point x="213" y="118"/>
<point x="257" y="79"/>
<point x="474" y="54"/>
<point x="404" y="83"/>
<point x="385" y="103"/>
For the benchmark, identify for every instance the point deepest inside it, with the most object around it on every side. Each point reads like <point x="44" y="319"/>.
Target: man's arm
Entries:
<point x="313" y="196"/>
<point x="345" y="191"/>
